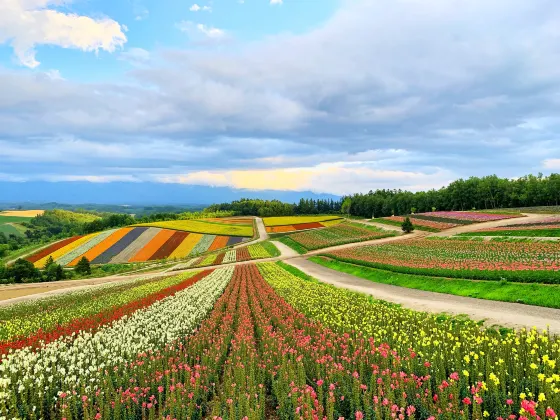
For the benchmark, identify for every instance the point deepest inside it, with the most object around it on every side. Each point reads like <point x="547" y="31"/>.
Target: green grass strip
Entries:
<point x="296" y="271"/>
<point x="530" y="294"/>
<point x="271" y="249"/>
<point x="296" y="246"/>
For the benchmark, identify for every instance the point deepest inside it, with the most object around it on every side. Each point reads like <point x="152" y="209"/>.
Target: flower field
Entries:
<point x="259" y="342"/>
<point x="463" y="217"/>
<point x="250" y="252"/>
<point x="342" y="233"/>
<point x="237" y="227"/>
<point x="421" y="224"/>
<point x="132" y="244"/>
<point x="295" y="223"/>
<point x="515" y="261"/>
<point x="549" y="226"/>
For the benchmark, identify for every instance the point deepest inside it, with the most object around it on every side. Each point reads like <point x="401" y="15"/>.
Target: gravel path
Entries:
<point x="492" y="312"/>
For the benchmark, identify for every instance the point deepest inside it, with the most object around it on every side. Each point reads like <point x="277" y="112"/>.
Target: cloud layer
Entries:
<point x="407" y="93"/>
<point x="28" y="23"/>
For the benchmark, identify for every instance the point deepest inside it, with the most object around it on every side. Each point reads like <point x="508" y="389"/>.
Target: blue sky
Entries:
<point x="332" y="96"/>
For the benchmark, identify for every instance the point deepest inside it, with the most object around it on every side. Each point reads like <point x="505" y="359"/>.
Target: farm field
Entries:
<point x="245" y="253"/>
<point x="132" y="244"/>
<point x="10" y="221"/>
<point x="464" y="217"/>
<point x="537" y="294"/>
<point x="548" y="227"/>
<point x="529" y="262"/>
<point x="237" y="227"/>
<point x="298" y="348"/>
<point x="295" y="223"/>
<point x="342" y="233"/>
<point x="419" y="224"/>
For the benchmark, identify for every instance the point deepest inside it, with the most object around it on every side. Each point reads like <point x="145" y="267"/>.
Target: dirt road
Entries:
<point x="494" y="313"/>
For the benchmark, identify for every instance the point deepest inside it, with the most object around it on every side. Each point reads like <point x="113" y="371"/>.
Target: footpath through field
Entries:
<point x="492" y="312"/>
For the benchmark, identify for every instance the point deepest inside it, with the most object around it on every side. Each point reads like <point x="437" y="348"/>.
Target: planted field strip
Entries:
<point x="229" y="256"/>
<point x="219" y="242"/>
<point x="233" y="240"/>
<point x="528" y="262"/>
<point x="168" y="247"/>
<point x="220" y="258"/>
<point x="299" y="226"/>
<point x="11" y="229"/>
<point x="83" y="248"/>
<point x="49" y="250"/>
<point x="64" y="250"/>
<point x="103" y="246"/>
<point x="28" y="214"/>
<point x="118" y="247"/>
<point x="242" y="254"/>
<point x="130" y="251"/>
<point x="151" y="248"/>
<point x="203" y="244"/>
<point x="186" y="246"/>
<point x="209" y="228"/>
<point x="296" y="220"/>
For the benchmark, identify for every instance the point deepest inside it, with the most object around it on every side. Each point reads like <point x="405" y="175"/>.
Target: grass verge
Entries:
<point x="530" y="294"/>
<point x="296" y="246"/>
<point x="270" y="248"/>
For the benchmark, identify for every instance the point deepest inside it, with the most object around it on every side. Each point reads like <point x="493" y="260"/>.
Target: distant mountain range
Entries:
<point x="132" y="193"/>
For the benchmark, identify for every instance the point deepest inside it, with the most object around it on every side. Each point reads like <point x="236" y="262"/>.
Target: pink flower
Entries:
<point x="550" y="413"/>
<point x="320" y="382"/>
<point x="467" y="400"/>
<point x="160" y="389"/>
<point x="454" y="376"/>
<point x="84" y="398"/>
<point x="359" y="415"/>
<point x="509" y="402"/>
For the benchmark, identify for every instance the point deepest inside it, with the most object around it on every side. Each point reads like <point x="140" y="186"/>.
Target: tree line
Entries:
<point x="269" y="208"/>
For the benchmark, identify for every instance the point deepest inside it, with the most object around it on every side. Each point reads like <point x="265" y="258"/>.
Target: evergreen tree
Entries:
<point x="49" y="262"/>
<point x="407" y="225"/>
<point x="83" y="267"/>
<point x="59" y="273"/>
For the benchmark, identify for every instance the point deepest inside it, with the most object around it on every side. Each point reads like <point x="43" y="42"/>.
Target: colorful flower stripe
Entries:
<point x="42" y="314"/>
<point x="230" y="256"/>
<point x="242" y="254"/>
<point x="257" y="251"/>
<point x="219" y="242"/>
<point x="93" y="321"/>
<point x="131" y="250"/>
<point x="280" y="229"/>
<point x="186" y="246"/>
<point x="152" y="247"/>
<point x="100" y="248"/>
<point x="203" y="245"/>
<point x="131" y="234"/>
<point x="50" y="249"/>
<point x="64" y="250"/>
<point x="80" y="362"/>
<point x="204" y="227"/>
<point x="234" y="240"/>
<point x="83" y="248"/>
<point x="220" y="258"/>
<point x="496" y="372"/>
<point x="168" y="247"/>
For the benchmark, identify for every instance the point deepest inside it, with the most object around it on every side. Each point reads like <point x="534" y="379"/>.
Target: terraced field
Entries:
<point x="142" y="243"/>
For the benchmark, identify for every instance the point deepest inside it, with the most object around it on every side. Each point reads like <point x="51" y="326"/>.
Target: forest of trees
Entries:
<point x="489" y="192"/>
<point x="268" y="208"/>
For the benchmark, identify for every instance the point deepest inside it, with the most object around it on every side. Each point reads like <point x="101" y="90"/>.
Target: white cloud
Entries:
<point x="276" y="1"/>
<point x="26" y="24"/>
<point x="196" y="8"/>
<point x="210" y="31"/>
<point x="553" y="164"/>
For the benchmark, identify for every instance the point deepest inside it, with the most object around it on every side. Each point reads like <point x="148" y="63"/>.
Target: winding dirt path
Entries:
<point x="506" y="314"/>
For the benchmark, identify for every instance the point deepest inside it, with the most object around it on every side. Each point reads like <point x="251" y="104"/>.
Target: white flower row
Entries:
<point x="230" y="257"/>
<point x="78" y="361"/>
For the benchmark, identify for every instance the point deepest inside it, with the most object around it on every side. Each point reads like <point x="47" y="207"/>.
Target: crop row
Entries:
<point x="492" y="375"/>
<point x="78" y="362"/>
<point x="337" y="235"/>
<point x="417" y="222"/>
<point x="246" y="253"/>
<point x="205" y="227"/>
<point x="516" y="261"/>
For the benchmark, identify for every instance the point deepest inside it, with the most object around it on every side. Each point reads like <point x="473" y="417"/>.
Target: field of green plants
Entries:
<point x="262" y="341"/>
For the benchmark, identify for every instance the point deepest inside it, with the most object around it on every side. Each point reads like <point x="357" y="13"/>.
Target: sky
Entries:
<point x="329" y="96"/>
